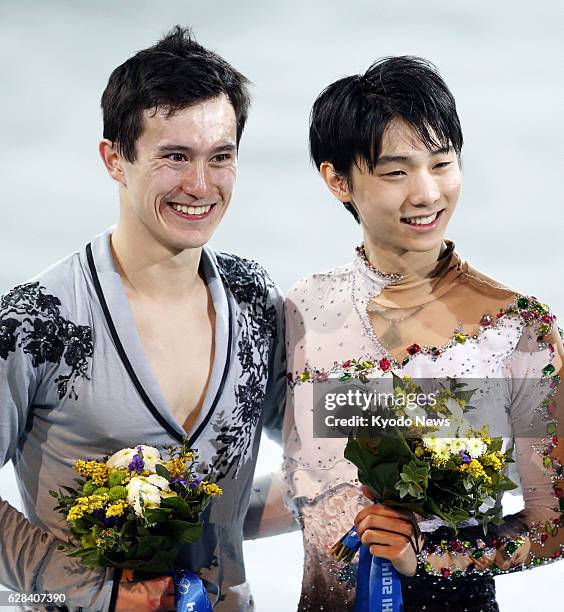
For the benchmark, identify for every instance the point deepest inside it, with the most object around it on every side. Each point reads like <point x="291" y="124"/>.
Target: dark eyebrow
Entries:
<point x="177" y="148"/>
<point x="386" y="159"/>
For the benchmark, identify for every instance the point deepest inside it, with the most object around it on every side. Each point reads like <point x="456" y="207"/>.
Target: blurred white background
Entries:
<point x="502" y="60"/>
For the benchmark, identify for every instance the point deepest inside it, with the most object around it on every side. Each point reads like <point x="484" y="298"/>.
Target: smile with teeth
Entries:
<point x="421" y="220"/>
<point x="192" y="210"/>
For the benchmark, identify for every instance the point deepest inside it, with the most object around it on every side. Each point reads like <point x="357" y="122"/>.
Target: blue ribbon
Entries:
<point x="189" y="592"/>
<point x="378" y="585"/>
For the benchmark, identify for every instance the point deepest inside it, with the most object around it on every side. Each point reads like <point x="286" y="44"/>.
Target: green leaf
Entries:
<point x="413" y="480"/>
<point x="162" y="471"/>
<point x="413" y="489"/>
<point x="72" y="491"/>
<point x="357" y="453"/>
<point x="149" y="545"/>
<point x="186" y="533"/>
<point x="157" y="515"/>
<point x="383" y="479"/>
<point x="417" y="507"/>
<point x="179" y="506"/>
<point x="397" y="381"/>
<point x="507" y="485"/>
<point x="394" y="447"/>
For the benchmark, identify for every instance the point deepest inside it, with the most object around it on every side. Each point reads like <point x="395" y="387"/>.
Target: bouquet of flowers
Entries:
<point x="437" y="466"/>
<point x="135" y="509"/>
<point x="443" y="467"/>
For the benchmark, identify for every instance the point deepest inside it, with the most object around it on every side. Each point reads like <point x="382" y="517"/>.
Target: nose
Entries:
<point x="424" y="190"/>
<point x="195" y="180"/>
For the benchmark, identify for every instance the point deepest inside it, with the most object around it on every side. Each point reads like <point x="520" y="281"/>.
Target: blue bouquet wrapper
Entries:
<point x="189" y="592"/>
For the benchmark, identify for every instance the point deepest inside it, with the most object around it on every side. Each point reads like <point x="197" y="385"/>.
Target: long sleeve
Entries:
<point x="267" y="515"/>
<point x="275" y="396"/>
<point x="536" y="411"/>
<point x="30" y="560"/>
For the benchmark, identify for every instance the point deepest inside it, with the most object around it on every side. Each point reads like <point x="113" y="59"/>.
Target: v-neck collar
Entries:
<point x="119" y="318"/>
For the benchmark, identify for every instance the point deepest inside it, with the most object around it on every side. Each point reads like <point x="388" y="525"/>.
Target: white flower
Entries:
<point x="139" y="488"/>
<point x="456" y="445"/>
<point x="475" y="447"/>
<point x="415" y="411"/>
<point x="443" y="453"/>
<point x="455" y="409"/>
<point x="151" y="457"/>
<point x="122" y="458"/>
<point x="434" y="444"/>
<point x="158" y="481"/>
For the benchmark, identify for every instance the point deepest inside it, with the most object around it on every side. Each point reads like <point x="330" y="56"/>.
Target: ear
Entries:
<point x="337" y="183"/>
<point x="112" y="160"/>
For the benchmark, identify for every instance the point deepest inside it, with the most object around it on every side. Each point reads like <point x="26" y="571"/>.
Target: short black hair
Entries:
<point x="349" y="117"/>
<point x="174" y="74"/>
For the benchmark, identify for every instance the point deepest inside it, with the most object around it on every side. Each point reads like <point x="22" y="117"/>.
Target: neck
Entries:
<point x="151" y="270"/>
<point x="399" y="261"/>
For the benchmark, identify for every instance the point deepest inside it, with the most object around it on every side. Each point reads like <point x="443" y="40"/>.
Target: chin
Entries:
<point x="178" y="242"/>
<point x="422" y="246"/>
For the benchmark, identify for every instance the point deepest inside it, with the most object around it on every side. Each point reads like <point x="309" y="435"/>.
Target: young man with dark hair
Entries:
<point x="387" y="145"/>
<point x="145" y="336"/>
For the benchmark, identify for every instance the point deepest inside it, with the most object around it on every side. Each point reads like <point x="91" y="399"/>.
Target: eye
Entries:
<point x="395" y="173"/>
<point x="442" y="164"/>
<point x="221" y="157"/>
<point x="177" y="157"/>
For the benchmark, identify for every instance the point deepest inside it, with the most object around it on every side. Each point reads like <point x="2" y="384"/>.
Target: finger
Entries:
<point x="482" y="563"/>
<point x="392" y="553"/>
<point x="385" y="523"/>
<point x="381" y="510"/>
<point x="502" y="561"/>
<point x="368" y="493"/>
<point x="384" y="538"/>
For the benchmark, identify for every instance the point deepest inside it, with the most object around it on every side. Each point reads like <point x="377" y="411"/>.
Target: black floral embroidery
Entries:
<point x="8" y="329"/>
<point x="31" y="319"/>
<point x="257" y="324"/>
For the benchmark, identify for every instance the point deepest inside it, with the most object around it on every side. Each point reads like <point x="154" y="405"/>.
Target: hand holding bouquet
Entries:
<point x="451" y="471"/>
<point x="439" y="466"/>
<point x="135" y="509"/>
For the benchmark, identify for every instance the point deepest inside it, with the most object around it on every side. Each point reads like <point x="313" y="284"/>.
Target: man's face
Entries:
<point x="181" y="182"/>
<point x="406" y="204"/>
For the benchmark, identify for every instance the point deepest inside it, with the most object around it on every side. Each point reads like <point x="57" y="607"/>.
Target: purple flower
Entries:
<point x="196" y="482"/>
<point x="180" y="480"/>
<point x="464" y="456"/>
<point x="137" y="464"/>
<point x="111" y="521"/>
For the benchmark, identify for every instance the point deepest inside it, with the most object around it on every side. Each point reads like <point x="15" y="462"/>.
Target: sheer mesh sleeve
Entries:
<point x="535" y="535"/>
<point x="267" y="514"/>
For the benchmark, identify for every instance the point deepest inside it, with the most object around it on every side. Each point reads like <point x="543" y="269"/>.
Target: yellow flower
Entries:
<point x="106" y="536"/>
<point x="494" y="460"/>
<point x="475" y="469"/>
<point x="86" y="505"/>
<point x="95" y="470"/>
<point x="210" y="488"/>
<point x="116" y="508"/>
<point x="177" y="466"/>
